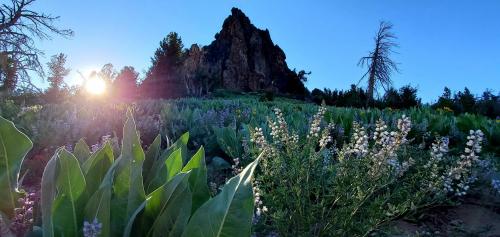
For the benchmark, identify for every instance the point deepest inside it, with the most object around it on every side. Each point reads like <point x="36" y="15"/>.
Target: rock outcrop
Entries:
<point x="241" y="58"/>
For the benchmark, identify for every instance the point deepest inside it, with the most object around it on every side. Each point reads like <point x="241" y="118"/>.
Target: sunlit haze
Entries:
<point x="442" y="43"/>
<point x="95" y="85"/>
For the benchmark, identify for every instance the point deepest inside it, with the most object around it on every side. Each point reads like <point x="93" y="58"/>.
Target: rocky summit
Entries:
<point x="241" y="58"/>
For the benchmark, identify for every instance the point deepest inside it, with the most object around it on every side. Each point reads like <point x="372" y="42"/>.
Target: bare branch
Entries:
<point x="380" y="65"/>
<point x="19" y="29"/>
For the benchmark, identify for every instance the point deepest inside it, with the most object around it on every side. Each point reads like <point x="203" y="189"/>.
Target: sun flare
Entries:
<point x="95" y="86"/>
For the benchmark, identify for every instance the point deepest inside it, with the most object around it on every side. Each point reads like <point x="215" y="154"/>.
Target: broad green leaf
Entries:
<point x="14" y="146"/>
<point x="165" y="211"/>
<point x="99" y="205"/>
<point x="48" y="194"/>
<point x="128" y="184"/>
<point x="153" y="180"/>
<point x="229" y="213"/>
<point x="96" y="167"/>
<point x="198" y="178"/>
<point x="169" y="207"/>
<point x="152" y="154"/>
<point x="70" y="184"/>
<point x="172" y="166"/>
<point x="130" y="224"/>
<point x="82" y="151"/>
<point x="182" y="143"/>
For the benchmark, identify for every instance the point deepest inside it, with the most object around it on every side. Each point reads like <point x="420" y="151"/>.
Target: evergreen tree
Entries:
<point x="57" y="71"/>
<point x="125" y="84"/>
<point x="162" y="79"/>
<point x="408" y="97"/>
<point x="392" y="98"/>
<point x="167" y="57"/>
<point x="57" y="90"/>
<point x="445" y="100"/>
<point x="465" y="101"/>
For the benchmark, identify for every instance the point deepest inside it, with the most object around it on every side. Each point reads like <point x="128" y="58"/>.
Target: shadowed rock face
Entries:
<point x="241" y="58"/>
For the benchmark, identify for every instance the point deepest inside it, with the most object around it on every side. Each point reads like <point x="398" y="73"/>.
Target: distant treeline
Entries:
<point x="488" y="104"/>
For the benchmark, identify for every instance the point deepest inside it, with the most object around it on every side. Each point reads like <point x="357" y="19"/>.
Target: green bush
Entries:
<point x="153" y="193"/>
<point x="310" y="186"/>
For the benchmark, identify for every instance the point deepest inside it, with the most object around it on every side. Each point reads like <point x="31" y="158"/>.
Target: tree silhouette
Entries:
<point x="8" y="78"/>
<point x="57" y="90"/>
<point x="57" y="71"/>
<point x="125" y="84"/>
<point x="20" y="26"/>
<point x="380" y="65"/>
<point x="162" y="79"/>
<point x="167" y="57"/>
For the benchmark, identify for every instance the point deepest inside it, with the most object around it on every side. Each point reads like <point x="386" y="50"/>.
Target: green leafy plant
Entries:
<point x="354" y="188"/>
<point x="96" y="194"/>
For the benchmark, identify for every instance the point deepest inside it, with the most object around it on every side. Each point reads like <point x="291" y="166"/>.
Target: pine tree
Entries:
<point x="57" y="71"/>
<point x="125" y="84"/>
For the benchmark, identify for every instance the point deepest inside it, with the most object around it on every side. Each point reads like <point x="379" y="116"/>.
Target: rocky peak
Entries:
<point x="242" y="58"/>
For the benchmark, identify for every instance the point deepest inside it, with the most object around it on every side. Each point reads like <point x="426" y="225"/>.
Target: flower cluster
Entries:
<point x="390" y="142"/>
<point x="69" y="147"/>
<point x="23" y="219"/>
<point x="439" y="149"/>
<point x="107" y="138"/>
<point x="92" y="229"/>
<point x="458" y="177"/>
<point x="382" y="154"/>
<point x="236" y="167"/>
<point x="404" y="127"/>
<point x="259" y="139"/>
<point x="400" y="167"/>
<point x="381" y="135"/>
<point x="326" y="137"/>
<point x="259" y="207"/>
<point x="279" y="128"/>
<point x="315" y="127"/>
<point x="359" y="141"/>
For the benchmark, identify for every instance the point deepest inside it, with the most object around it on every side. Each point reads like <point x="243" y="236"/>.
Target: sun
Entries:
<point x="95" y="85"/>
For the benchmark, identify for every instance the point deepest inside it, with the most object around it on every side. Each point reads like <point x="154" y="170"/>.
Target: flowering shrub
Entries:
<point x="311" y="186"/>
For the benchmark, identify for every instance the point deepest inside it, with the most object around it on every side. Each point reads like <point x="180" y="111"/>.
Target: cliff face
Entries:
<point x="242" y="58"/>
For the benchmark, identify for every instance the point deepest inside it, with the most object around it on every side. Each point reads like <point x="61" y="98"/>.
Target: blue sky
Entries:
<point x="450" y="43"/>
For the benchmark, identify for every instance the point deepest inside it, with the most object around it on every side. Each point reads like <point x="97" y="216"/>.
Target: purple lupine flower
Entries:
<point x="23" y="219"/>
<point x="92" y="229"/>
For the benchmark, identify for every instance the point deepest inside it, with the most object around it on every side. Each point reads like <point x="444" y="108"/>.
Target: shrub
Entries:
<point x="153" y="193"/>
<point x="310" y="186"/>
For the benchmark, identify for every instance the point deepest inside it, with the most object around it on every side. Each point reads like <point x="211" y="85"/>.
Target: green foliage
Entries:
<point x="14" y="146"/>
<point x="329" y="189"/>
<point x="465" y="102"/>
<point x="109" y="193"/>
<point x="81" y="151"/>
<point x="228" y="211"/>
<point x="70" y="185"/>
<point x="229" y="140"/>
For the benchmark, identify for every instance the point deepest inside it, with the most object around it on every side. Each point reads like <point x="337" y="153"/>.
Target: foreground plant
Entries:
<point x="93" y="194"/>
<point x="311" y="186"/>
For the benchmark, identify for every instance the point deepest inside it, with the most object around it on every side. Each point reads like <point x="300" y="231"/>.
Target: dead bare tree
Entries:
<point x="20" y="27"/>
<point x="380" y="65"/>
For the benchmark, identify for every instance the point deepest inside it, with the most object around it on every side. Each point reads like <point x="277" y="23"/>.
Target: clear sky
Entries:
<point x="454" y="43"/>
